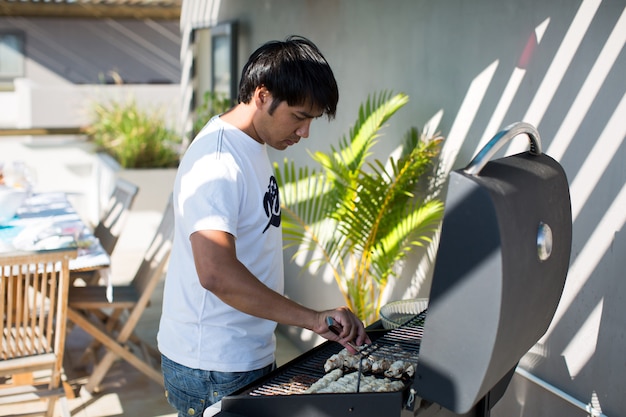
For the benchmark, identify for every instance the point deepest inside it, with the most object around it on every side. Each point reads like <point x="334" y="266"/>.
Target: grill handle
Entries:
<point x="509" y="132"/>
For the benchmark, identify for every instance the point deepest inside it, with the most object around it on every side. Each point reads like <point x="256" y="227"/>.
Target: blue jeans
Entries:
<point x="190" y="391"/>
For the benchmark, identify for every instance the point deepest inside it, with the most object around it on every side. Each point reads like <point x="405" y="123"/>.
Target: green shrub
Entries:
<point x="133" y="137"/>
<point x="212" y="104"/>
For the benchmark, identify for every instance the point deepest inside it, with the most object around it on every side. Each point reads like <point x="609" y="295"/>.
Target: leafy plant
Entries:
<point x="362" y="218"/>
<point x="212" y="104"/>
<point x="133" y="137"/>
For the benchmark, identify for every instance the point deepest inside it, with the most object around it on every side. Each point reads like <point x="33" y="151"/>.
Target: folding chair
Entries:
<point x="111" y="223"/>
<point x="112" y="323"/>
<point x="109" y="228"/>
<point x="33" y="300"/>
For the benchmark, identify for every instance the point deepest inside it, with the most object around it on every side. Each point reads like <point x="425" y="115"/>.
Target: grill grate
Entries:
<point x="297" y="376"/>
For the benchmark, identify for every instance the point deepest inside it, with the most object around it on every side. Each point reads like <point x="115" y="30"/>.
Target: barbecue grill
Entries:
<point x="499" y="274"/>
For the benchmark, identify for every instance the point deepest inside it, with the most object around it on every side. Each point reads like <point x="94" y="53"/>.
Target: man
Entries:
<point x="223" y="290"/>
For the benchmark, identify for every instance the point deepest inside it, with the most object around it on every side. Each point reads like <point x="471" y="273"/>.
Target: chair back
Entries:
<point x="155" y="259"/>
<point x="33" y="301"/>
<point x="113" y="219"/>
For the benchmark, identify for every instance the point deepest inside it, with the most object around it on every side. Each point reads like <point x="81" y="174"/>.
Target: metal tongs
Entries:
<point x="363" y="351"/>
<point x="336" y="328"/>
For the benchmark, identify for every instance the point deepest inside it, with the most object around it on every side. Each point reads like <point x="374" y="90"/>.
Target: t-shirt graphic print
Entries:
<point x="271" y="204"/>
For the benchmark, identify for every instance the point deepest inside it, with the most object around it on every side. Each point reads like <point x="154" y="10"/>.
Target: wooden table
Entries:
<point x="48" y="221"/>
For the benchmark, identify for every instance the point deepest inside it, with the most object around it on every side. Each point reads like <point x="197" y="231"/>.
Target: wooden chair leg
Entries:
<point x="100" y="371"/>
<point x="147" y="350"/>
<point x="51" y="404"/>
<point x="65" y="409"/>
<point x="69" y="392"/>
<point x="114" y="349"/>
<point x="111" y="321"/>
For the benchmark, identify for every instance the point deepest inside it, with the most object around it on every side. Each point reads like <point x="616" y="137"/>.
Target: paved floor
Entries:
<point x="63" y="164"/>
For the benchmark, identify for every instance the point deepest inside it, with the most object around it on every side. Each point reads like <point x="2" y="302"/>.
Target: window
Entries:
<point x="224" y="59"/>
<point x="11" y="55"/>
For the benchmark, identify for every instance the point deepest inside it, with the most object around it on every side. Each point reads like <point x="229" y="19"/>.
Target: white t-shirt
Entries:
<point x="225" y="182"/>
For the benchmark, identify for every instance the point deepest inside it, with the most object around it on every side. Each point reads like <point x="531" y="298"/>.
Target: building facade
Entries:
<point x="59" y="58"/>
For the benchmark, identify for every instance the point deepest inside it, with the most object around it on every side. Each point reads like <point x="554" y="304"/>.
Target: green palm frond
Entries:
<point x="414" y="230"/>
<point x="354" y="150"/>
<point x="362" y="217"/>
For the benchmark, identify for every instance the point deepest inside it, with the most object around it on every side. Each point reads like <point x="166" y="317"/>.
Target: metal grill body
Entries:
<point x="282" y="393"/>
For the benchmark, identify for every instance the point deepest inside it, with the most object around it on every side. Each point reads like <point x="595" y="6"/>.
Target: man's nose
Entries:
<point x="303" y="130"/>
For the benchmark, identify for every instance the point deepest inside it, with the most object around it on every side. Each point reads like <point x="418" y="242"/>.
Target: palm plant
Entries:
<point x="362" y="218"/>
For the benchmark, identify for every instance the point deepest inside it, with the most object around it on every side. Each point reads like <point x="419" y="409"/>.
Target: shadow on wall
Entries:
<point x="567" y="80"/>
<point x="561" y="70"/>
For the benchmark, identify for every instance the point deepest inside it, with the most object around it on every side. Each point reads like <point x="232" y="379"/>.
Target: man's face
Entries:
<point x="286" y="125"/>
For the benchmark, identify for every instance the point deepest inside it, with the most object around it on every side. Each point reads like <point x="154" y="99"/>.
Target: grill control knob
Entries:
<point x="544" y="241"/>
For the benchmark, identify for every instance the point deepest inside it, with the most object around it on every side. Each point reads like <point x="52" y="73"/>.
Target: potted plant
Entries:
<point x="358" y="216"/>
<point x="133" y="137"/>
<point x="136" y="144"/>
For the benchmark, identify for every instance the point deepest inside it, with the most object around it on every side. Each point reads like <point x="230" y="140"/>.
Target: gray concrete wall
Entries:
<point x="471" y="68"/>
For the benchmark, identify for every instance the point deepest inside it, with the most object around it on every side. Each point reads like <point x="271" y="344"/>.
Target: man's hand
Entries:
<point x="351" y="328"/>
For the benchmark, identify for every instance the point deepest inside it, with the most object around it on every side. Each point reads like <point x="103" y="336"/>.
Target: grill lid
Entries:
<point x="499" y="273"/>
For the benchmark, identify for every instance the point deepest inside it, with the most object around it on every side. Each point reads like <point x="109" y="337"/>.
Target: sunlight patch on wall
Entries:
<point x="432" y="125"/>
<point x="582" y="346"/>
<point x="558" y="67"/>
<point x="465" y="117"/>
<point x="328" y="276"/>
<point x="595" y="401"/>
<point x="534" y="356"/>
<point x="540" y="30"/>
<point x="596" y="163"/>
<point x="590" y="256"/>
<point x="426" y="264"/>
<point x="495" y="123"/>
<point x="510" y="91"/>
<point x="303" y="258"/>
<point x="589" y="90"/>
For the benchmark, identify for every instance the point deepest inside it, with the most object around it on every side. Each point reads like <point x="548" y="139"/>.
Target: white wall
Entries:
<point x="8" y="104"/>
<point x="68" y="105"/>
<point x="479" y="66"/>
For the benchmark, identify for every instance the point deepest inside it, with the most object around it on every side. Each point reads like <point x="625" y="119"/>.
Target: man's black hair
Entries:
<point x="294" y="71"/>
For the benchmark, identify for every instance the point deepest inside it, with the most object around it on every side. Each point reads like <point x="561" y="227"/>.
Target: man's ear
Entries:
<point x="262" y="96"/>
